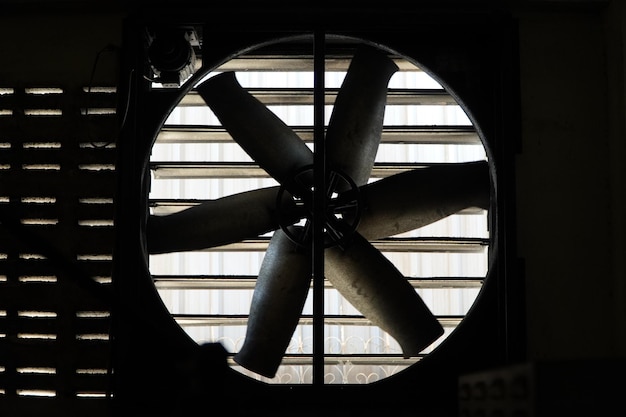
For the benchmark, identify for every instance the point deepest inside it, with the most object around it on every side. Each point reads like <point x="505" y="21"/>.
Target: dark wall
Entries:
<point x="571" y="182"/>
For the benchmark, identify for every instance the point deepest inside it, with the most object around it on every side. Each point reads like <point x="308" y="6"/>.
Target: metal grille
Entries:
<point x="57" y="182"/>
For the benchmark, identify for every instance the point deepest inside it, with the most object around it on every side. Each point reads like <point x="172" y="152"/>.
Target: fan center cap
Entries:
<point x="340" y="215"/>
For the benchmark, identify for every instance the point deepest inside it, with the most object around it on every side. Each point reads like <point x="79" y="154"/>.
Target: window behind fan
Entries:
<point x="194" y="159"/>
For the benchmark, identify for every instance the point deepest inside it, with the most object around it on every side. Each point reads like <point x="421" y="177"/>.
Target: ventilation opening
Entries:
<point x="46" y="202"/>
<point x="209" y="290"/>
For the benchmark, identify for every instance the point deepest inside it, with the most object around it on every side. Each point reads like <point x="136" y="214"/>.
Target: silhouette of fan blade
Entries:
<point x="217" y="222"/>
<point x="357" y="270"/>
<point x="285" y="275"/>
<point x="263" y="135"/>
<point x="375" y="287"/>
<point x="436" y="192"/>
<point x="356" y="123"/>
<point x="416" y="198"/>
<point x="393" y="205"/>
<point x="279" y="296"/>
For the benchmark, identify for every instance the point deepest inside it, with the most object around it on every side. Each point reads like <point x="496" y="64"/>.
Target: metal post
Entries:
<point x="319" y="203"/>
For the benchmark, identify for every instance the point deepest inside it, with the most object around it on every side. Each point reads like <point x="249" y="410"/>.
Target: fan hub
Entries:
<point x="341" y="213"/>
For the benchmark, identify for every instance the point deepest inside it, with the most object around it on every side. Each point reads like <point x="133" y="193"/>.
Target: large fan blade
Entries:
<point x="356" y="123"/>
<point x="285" y="275"/>
<point x="217" y="222"/>
<point x="413" y="199"/>
<point x="374" y="286"/>
<point x="279" y="296"/>
<point x="368" y="280"/>
<point x="393" y="205"/>
<point x="263" y="135"/>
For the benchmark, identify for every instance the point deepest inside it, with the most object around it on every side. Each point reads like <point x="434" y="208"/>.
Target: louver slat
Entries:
<point x="452" y="135"/>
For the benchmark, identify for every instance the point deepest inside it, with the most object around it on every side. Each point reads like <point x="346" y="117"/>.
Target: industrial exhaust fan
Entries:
<point x="321" y="219"/>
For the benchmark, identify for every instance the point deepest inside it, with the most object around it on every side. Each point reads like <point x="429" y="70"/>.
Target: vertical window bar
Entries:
<point x="319" y="201"/>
